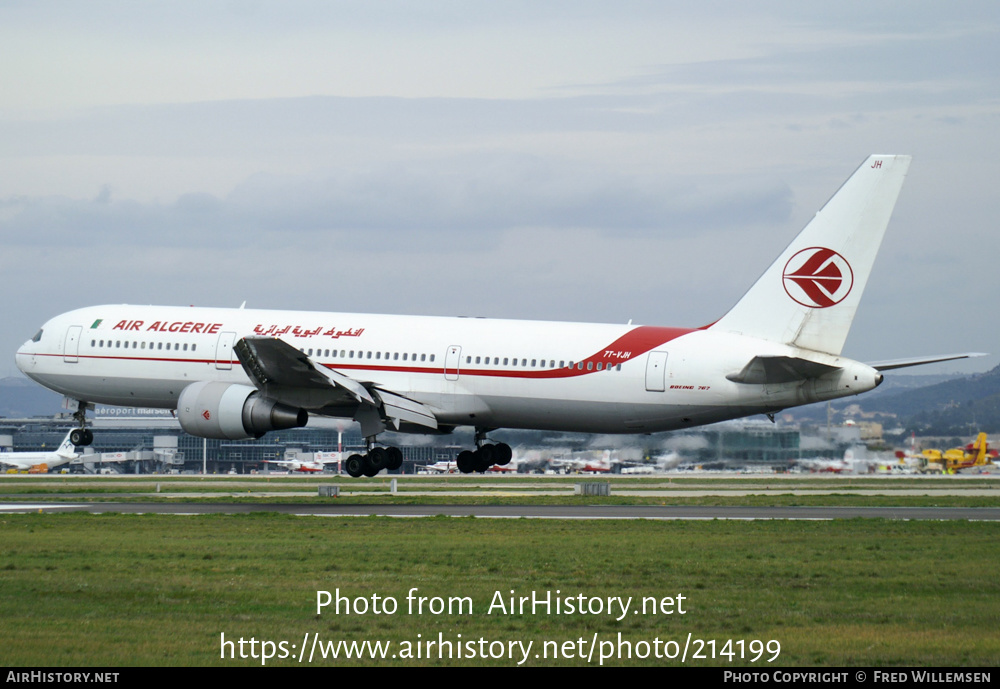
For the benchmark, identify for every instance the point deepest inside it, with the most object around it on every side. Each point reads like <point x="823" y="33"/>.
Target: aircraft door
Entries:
<point x="224" y="351"/>
<point x="452" y="359"/>
<point x="656" y="371"/>
<point x="71" y="348"/>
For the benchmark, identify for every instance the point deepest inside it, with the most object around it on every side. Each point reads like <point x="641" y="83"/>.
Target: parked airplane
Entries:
<point x="306" y="467"/>
<point x="66" y="452"/>
<point x="240" y="373"/>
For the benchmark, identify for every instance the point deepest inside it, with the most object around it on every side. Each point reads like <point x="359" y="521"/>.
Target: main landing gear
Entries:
<point x="484" y="456"/>
<point x="374" y="461"/>
<point x="378" y="458"/>
<point x="82" y="436"/>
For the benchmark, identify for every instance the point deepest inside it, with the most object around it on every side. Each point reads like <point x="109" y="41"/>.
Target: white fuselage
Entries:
<point x="470" y="371"/>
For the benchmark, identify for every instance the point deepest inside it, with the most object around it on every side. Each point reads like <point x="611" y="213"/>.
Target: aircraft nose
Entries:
<point x="24" y="357"/>
<point x="21" y="357"/>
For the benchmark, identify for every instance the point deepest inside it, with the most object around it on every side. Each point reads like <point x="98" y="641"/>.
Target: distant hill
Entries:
<point x="955" y="406"/>
<point x="21" y="398"/>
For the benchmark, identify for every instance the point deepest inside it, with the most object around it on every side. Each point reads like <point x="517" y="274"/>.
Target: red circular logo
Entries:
<point x="818" y="277"/>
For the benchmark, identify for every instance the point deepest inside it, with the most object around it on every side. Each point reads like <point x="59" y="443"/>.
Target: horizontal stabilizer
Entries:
<point x="920" y="361"/>
<point x="774" y="370"/>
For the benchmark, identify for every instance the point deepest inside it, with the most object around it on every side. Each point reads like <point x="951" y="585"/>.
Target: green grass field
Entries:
<point x="117" y="590"/>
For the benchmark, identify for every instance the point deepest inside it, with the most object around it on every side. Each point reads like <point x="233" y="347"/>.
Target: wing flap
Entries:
<point x="402" y="409"/>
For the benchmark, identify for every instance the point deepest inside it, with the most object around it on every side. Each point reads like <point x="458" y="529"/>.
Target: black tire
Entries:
<point x="395" y="458"/>
<point x="78" y="436"/>
<point x="484" y="458"/>
<point x="502" y="454"/>
<point x="378" y="458"/>
<point x="355" y="466"/>
<point x="466" y="462"/>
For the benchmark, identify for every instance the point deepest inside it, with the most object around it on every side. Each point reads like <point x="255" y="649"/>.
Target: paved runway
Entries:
<point x="528" y="511"/>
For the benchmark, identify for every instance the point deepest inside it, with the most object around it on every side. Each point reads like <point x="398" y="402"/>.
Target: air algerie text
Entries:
<point x="171" y="327"/>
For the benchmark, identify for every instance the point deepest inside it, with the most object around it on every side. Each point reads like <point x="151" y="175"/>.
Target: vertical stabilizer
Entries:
<point x="808" y="297"/>
<point x="67" y="448"/>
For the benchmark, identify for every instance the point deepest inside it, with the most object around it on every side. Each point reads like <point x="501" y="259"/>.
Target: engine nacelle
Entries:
<point x="233" y="412"/>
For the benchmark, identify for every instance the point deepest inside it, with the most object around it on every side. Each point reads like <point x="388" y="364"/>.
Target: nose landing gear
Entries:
<point x="82" y="436"/>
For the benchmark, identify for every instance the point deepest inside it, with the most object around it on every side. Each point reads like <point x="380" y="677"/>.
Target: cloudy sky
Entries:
<point x="589" y="161"/>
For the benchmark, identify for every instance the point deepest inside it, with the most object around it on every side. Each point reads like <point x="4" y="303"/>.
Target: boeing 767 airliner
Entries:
<point x="240" y="373"/>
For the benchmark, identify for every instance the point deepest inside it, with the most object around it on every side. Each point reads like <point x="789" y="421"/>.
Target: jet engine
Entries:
<point x="233" y="412"/>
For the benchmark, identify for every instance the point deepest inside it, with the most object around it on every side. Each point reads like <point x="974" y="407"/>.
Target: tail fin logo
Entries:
<point x="818" y="277"/>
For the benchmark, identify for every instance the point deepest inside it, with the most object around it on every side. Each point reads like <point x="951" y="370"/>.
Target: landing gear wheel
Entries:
<point x="484" y="458"/>
<point x="466" y="462"/>
<point x="355" y="466"/>
<point x="81" y="437"/>
<point x="395" y="458"/>
<point x="502" y="454"/>
<point x="378" y="458"/>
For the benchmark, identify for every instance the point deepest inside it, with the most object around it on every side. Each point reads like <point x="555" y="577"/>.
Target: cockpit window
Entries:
<point x="37" y="337"/>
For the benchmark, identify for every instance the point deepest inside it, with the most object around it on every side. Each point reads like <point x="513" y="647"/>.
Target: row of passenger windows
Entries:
<point x="540" y="363"/>
<point x="385" y="356"/>
<point x="469" y="360"/>
<point x="127" y="344"/>
<point x="379" y="356"/>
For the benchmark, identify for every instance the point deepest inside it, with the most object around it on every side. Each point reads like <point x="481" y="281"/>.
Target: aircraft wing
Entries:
<point x="919" y="361"/>
<point x="288" y="375"/>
